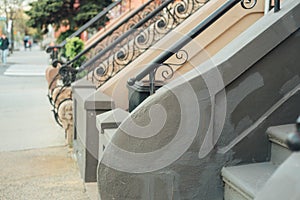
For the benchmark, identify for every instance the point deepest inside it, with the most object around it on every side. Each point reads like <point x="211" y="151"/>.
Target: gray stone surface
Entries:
<point x="284" y="183"/>
<point x="111" y="119"/>
<point x="248" y="179"/>
<point x="279" y="153"/>
<point x="238" y="95"/>
<point x="279" y="134"/>
<point x="88" y="103"/>
<point x="99" y="101"/>
<point x="83" y="83"/>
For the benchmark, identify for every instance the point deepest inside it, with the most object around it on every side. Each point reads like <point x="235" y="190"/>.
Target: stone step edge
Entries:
<point x="237" y="189"/>
<point x="234" y="181"/>
<point x="279" y="134"/>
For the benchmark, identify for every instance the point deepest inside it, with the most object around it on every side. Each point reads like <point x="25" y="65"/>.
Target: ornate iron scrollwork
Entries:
<point x="142" y="39"/>
<point x="68" y="75"/>
<point x="168" y="71"/>
<point x="248" y="4"/>
<point x="125" y="27"/>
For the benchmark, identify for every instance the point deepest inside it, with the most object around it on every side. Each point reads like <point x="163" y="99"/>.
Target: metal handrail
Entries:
<point x="145" y="33"/>
<point x="150" y="68"/>
<point x="86" y="25"/>
<point x="109" y="33"/>
<point x="125" y="35"/>
<point x="67" y="74"/>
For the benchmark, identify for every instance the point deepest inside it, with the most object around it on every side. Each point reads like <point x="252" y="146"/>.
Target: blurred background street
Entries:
<point x="35" y="163"/>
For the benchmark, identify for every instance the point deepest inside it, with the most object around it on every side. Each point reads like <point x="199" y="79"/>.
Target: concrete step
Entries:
<point x="284" y="183"/>
<point x="278" y="135"/>
<point x="244" y="182"/>
<point x="104" y="140"/>
<point x="110" y="119"/>
<point x="107" y="124"/>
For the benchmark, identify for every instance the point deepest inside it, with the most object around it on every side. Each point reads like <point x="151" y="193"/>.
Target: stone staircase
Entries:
<point x="245" y="181"/>
<point x="107" y="124"/>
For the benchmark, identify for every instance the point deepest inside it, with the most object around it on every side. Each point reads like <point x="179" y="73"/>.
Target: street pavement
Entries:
<point x="25" y="113"/>
<point x="35" y="162"/>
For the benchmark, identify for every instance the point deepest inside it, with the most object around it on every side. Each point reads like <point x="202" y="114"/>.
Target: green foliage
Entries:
<point x="73" y="47"/>
<point x="44" y="12"/>
<point x="89" y="9"/>
<point x="63" y="36"/>
<point x="62" y="12"/>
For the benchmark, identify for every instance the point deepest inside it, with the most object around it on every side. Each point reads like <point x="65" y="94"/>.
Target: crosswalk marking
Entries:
<point x="25" y="70"/>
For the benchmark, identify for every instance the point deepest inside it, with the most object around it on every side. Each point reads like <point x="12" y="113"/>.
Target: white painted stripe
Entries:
<point x="26" y="70"/>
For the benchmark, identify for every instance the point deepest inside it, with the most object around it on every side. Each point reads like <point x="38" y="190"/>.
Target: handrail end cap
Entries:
<point x="131" y="81"/>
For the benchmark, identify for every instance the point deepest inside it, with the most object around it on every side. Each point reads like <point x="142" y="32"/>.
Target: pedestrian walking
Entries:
<point x="4" y="48"/>
<point x="26" y="42"/>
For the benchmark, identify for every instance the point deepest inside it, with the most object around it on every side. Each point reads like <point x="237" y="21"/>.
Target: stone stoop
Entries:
<point x="107" y="124"/>
<point x="245" y="181"/>
<point x="278" y="136"/>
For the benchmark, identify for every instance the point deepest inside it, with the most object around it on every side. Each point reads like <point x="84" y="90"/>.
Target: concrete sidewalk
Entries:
<point x="27" y="63"/>
<point x="35" y="163"/>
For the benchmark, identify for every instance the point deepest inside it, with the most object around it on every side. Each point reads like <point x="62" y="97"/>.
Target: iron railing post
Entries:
<point x="276" y="5"/>
<point x="152" y="82"/>
<point x="293" y="140"/>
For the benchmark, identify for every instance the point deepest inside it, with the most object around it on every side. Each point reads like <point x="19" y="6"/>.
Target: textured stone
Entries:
<point x="40" y="174"/>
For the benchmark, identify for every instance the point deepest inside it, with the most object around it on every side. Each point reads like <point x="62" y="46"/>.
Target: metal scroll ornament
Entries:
<point x="248" y="4"/>
<point x="142" y="38"/>
<point x="168" y="68"/>
<point x="68" y="75"/>
<point x="125" y="27"/>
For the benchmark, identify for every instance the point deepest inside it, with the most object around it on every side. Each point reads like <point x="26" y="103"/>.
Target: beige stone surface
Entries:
<point x="50" y="74"/>
<point x="201" y="49"/>
<point x="65" y="113"/>
<point x="46" y="174"/>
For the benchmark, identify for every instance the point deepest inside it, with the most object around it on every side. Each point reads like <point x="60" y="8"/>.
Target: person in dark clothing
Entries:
<point x="26" y="42"/>
<point x="4" y="48"/>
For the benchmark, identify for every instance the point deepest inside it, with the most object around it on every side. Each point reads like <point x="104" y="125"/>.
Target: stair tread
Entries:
<point x="248" y="178"/>
<point x="279" y="134"/>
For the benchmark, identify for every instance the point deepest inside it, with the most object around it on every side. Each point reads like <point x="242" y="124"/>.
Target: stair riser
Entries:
<point x="279" y="153"/>
<point x="104" y="140"/>
<point x="102" y="144"/>
<point x="231" y="193"/>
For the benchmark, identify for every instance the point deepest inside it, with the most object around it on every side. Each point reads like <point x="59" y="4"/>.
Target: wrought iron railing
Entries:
<point x="160" y="61"/>
<point x="59" y="98"/>
<point x="137" y="40"/>
<point x="54" y="49"/>
<point x="115" y="32"/>
<point x="274" y="4"/>
<point x="67" y="75"/>
<point x="293" y="140"/>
